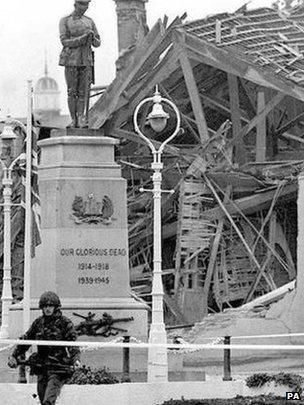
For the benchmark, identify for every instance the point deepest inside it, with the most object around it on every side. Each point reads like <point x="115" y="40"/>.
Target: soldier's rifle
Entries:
<point x="86" y="327"/>
<point x="38" y="365"/>
<point x="100" y="327"/>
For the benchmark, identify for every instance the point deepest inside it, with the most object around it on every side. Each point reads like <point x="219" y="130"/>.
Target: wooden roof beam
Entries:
<point x="164" y="66"/>
<point x="240" y="151"/>
<point x="259" y="117"/>
<point x="215" y="248"/>
<point x="272" y="233"/>
<point x="185" y="119"/>
<point x="232" y="63"/>
<point x="222" y="106"/>
<point x="289" y="125"/>
<point x="246" y="98"/>
<point x="137" y="94"/>
<point x="261" y="130"/>
<point x="191" y="87"/>
<point x="291" y="137"/>
<point x="251" y="204"/>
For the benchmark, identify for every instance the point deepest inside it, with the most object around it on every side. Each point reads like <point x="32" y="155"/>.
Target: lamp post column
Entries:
<point x="157" y="356"/>
<point x="7" y="296"/>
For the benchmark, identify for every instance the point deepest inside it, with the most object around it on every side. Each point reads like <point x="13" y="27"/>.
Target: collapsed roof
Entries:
<point x="237" y="80"/>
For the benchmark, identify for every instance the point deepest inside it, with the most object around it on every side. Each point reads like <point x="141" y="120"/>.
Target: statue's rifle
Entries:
<point x="90" y="79"/>
<point x="93" y="68"/>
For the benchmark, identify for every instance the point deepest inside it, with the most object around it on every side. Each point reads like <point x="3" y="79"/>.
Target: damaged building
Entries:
<point x="229" y="231"/>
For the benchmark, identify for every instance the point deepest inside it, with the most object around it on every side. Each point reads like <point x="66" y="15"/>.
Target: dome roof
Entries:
<point x="46" y="84"/>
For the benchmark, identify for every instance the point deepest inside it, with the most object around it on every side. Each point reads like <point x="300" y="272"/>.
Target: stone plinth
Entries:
<point x="84" y="251"/>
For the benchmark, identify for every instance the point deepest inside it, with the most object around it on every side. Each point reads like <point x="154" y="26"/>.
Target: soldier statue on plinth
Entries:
<point x="78" y="34"/>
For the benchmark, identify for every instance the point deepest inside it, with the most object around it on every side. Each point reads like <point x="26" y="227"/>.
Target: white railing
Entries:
<point x="143" y="345"/>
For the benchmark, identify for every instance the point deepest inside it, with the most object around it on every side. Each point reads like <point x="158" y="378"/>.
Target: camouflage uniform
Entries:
<point x="77" y="57"/>
<point x="54" y="327"/>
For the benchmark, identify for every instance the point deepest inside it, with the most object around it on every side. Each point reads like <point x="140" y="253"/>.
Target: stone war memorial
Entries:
<point x="84" y="250"/>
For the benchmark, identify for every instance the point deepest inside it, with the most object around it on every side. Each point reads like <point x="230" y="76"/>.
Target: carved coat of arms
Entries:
<point x="91" y="211"/>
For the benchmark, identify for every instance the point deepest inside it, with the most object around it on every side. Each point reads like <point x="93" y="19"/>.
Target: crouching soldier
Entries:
<point x="52" y="325"/>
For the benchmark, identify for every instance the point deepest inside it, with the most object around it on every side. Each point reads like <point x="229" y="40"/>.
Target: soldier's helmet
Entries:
<point x="49" y="298"/>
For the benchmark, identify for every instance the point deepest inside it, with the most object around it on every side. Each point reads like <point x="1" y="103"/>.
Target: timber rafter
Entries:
<point x="191" y="87"/>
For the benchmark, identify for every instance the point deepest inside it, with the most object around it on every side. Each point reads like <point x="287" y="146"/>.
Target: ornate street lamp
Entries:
<point x="157" y="356"/>
<point x="8" y="141"/>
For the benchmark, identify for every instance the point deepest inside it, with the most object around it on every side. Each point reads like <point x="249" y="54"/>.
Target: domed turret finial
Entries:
<point x="45" y="63"/>
<point x="46" y="95"/>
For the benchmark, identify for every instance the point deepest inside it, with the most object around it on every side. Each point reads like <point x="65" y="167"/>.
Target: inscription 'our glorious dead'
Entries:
<point x="92" y="252"/>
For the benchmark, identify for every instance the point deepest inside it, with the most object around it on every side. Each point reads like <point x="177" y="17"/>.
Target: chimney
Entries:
<point x="131" y="22"/>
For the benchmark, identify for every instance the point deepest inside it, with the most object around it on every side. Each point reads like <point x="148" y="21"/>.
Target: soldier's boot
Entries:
<point x="72" y="104"/>
<point x="82" y="117"/>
